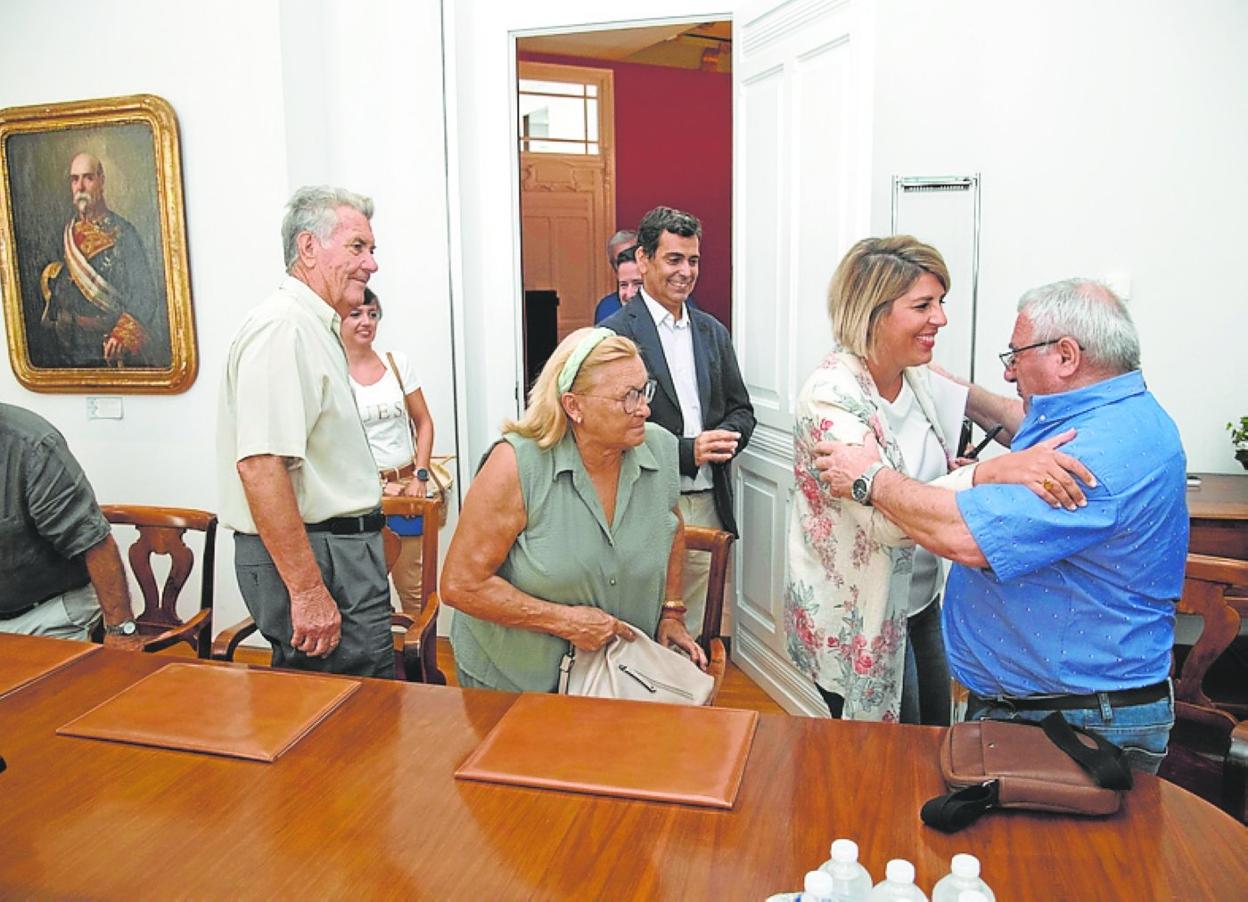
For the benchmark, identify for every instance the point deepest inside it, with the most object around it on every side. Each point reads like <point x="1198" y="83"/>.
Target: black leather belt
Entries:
<point x="349" y="526"/>
<point x="13" y="615"/>
<point x="1118" y="698"/>
<point x="697" y="492"/>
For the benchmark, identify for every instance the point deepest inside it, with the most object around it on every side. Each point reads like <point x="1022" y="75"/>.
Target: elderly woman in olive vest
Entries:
<point x="571" y="528"/>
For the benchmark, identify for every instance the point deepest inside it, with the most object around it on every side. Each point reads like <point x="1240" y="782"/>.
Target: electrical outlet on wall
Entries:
<point x="104" y="409"/>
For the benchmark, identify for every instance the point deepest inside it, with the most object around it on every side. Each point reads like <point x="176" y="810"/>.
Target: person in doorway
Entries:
<point x="399" y="428"/>
<point x="620" y="241"/>
<point x="701" y="398"/>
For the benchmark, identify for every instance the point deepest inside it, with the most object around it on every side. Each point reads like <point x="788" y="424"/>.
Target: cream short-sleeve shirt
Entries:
<point x="286" y="393"/>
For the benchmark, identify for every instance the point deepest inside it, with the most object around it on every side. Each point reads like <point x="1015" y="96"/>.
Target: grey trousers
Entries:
<point x="354" y="571"/>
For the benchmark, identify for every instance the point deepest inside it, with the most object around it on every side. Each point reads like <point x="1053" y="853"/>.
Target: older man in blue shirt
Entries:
<point x="1050" y="608"/>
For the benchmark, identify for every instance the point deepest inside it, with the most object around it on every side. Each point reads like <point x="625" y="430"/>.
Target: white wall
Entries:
<point x="1112" y="138"/>
<point x="269" y="96"/>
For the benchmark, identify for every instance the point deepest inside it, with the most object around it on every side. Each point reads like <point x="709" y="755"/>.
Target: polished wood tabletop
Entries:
<point x="365" y="806"/>
<point x="1218" y="508"/>
<point x="1220" y="496"/>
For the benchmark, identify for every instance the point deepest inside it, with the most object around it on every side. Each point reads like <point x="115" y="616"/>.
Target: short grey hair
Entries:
<point x="314" y="208"/>
<point x="1090" y="313"/>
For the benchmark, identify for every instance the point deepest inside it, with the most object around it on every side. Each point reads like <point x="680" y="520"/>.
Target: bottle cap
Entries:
<point x="899" y="871"/>
<point x="965" y="866"/>
<point x="844" y="851"/>
<point x="818" y="884"/>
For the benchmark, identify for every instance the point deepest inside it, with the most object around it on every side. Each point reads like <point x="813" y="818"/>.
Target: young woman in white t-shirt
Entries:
<point x="384" y="409"/>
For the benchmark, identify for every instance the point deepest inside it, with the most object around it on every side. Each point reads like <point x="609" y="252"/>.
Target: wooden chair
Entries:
<point x="1209" y="744"/>
<point x="415" y="638"/>
<point x="161" y="531"/>
<point x="716" y="542"/>
<point x="418" y="647"/>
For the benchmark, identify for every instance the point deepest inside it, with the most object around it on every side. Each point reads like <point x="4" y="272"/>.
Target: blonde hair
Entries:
<point x="876" y="272"/>
<point x="545" y="420"/>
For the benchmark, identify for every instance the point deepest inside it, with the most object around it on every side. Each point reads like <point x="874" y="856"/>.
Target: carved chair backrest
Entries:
<point x="161" y="532"/>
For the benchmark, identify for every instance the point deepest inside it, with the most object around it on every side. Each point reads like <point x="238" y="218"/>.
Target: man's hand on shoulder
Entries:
<point x="715" y="446"/>
<point x="316" y="623"/>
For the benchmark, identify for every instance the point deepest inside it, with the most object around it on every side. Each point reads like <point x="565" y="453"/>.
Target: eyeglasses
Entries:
<point x="633" y="399"/>
<point x="1010" y="357"/>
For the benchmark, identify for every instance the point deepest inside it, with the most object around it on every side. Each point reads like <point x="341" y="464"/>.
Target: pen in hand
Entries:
<point x="988" y="437"/>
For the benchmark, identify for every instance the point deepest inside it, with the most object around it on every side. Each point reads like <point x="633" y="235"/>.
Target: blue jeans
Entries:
<point x="1142" y="731"/>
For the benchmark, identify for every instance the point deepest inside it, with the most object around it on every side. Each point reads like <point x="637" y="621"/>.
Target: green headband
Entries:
<point x="567" y="375"/>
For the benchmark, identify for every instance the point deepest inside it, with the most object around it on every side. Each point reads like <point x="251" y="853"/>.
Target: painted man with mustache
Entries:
<point x="100" y="300"/>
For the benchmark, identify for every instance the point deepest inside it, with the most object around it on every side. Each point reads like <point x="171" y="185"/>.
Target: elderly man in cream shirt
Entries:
<point x="298" y="482"/>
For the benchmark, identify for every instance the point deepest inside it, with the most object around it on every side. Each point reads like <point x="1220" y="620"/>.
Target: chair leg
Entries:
<point x="1235" y="775"/>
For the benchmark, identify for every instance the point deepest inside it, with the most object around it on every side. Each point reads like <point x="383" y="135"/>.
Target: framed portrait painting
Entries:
<point x="93" y="264"/>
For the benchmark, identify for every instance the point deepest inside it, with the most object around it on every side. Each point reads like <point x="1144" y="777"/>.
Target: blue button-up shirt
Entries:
<point x="1077" y="601"/>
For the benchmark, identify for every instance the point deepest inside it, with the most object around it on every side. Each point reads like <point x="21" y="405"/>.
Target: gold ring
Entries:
<point x="1049" y="486"/>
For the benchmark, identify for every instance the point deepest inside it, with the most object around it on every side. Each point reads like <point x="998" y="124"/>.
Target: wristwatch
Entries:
<point x="422" y="474"/>
<point x="125" y="628"/>
<point x="861" y="489"/>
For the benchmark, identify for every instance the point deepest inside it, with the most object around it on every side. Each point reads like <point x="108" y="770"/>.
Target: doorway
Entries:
<point x="611" y="124"/>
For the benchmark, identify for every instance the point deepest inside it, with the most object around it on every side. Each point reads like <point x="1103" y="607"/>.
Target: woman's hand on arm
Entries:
<point x="492" y="518"/>
<point x="1053" y="475"/>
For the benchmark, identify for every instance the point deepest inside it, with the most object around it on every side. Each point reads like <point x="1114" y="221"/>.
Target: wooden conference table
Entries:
<point x="1218" y="509"/>
<point x="365" y="806"/>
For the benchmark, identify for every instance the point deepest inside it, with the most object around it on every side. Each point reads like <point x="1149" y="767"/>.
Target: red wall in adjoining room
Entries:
<point x="673" y="146"/>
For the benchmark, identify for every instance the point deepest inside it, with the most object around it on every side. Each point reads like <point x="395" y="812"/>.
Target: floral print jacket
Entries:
<point x="849" y="566"/>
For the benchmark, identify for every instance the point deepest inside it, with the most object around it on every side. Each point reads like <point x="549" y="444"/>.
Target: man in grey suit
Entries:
<point x="701" y="397"/>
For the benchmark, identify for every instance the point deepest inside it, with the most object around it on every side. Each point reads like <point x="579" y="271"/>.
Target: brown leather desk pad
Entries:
<point x="230" y="711"/>
<point x="25" y="659"/>
<point x="636" y="750"/>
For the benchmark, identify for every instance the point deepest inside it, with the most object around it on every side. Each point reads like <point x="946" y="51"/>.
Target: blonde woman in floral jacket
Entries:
<point x="858" y="589"/>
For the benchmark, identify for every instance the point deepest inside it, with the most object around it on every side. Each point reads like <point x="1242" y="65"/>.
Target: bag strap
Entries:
<point x="950" y="813"/>
<point x="565" y="669"/>
<point x="411" y="427"/>
<point x="1106" y="764"/>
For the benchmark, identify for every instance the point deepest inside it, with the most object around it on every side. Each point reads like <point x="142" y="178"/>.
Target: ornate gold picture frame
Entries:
<point x="93" y="264"/>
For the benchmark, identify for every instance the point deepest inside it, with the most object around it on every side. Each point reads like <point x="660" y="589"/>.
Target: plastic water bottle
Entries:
<point x="817" y="887"/>
<point x="972" y="895"/>
<point x="963" y="876"/>
<point x="898" y="883"/>
<point x="850" y="880"/>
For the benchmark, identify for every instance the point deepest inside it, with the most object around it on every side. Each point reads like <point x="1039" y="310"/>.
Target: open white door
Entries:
<point x="802" y="151"/>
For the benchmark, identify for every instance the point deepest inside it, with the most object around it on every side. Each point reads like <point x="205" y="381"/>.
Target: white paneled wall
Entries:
<point x="802" y="112"/>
